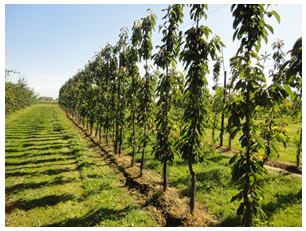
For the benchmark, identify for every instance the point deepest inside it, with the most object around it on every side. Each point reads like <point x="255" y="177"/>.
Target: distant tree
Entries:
<point x="17" y="95"/>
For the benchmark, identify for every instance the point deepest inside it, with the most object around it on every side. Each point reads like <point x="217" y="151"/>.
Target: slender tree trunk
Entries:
<point x="97" y="130"/>
<point x="117" y="118"/>
<point x="229" y="141"/>
<point x="113" y="131"/>
<point x="299" y="150"/>
<point x="222" y="116"/>
<point x="91" y="128"/>
<point x="116" y="138"/>
<point x="248" y="211"/>
<point x="192" y="189"/>
<point x="120" y="139"/>
<point x="133" y="138"/>
<point x="145" y="121"/>
<point x="165" y="182"/>
<point x="106" y="137"/>
<point x="143" y="151"/>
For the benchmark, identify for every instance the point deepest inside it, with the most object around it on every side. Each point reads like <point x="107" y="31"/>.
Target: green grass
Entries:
<point x="52" y="177"/>
<point x="283" y="195"/>
<point x="287" y="154"/>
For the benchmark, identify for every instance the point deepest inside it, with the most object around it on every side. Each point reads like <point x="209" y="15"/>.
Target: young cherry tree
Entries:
<point x="250" y="28"/>
<point x="133" y="57"/>
<point x="146" y="91"/>
<point x="272" y="131"/>
<point x="195" y="56"/>
<point x="294" y="79"/>
<point x="121" y="89"/>
<point x="166" y="56"/>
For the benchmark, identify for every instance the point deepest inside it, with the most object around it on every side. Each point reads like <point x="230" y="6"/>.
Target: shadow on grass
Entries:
<point x="43" y="161"/>
<point x="46" y="172"/>
<point x="24" y="186"/>
<point x="282" y="201"/>
<point x="94" y="217"/>
<point x="41" y="202"/>
<point x="231" y="221"/>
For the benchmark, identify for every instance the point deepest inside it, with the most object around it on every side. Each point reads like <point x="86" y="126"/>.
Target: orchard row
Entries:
<point x="110" y="93"/>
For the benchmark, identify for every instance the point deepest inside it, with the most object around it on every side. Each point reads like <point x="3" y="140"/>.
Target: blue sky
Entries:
<point x="47" y="43"/>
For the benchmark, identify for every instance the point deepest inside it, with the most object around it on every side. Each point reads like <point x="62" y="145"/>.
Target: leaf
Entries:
<point x="288" y="90"/>
<point x="172" y="64"/>
<point x="276" y="15"/>
<point x="236" y="121"/>
<point x="233" y="158"/>
<point x="260" y="143"/>
<point x="240" y="209"/>
<point x="238" y="197"/>
<point x="234" y="133"/>
<point x="270" y="28"/>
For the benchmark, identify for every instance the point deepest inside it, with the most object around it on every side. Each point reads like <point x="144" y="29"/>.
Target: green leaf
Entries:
<point x="260" y="143"/>
<point x="233" y="158"/>
<point x="270" y="28"/>
<point x="276" y="15"/>
<point x="236" y="121"/>
<point x="234" y="133"/>
<point x="238" y="197"/>
<point x="240" y="209"/>
<point x="172" y="64"/>
<point x="288" y="90"/>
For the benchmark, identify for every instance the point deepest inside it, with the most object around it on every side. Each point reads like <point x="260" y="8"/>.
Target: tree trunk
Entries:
<point x="133" y="139"/>
<point x="229" y="141"/>
<point x="248" y="211"/>
<point x="114" y="131"/>
<point x="192" y="189"/>
<point x="222" y="116"/>
<point x="100" y="132"/>
<point x="165" y="183"/>
<point x="106" y="137"/>
<point x="91" y="128"/>
<point x="120" y="139"/>
<point x="299" y="150"/>
<point x="143" y="151"/>
<point x="97" y="130"/>
<point x="116" y="138"/>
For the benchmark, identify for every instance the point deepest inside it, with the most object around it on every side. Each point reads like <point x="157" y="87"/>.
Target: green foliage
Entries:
<point x="194" y="56"/>
<point x="167" y="55"/>
<point x="146" y="96"/>
<point x="17" y="95"/>
<point x="250" y="27"/>
<point x="196" y="51"/>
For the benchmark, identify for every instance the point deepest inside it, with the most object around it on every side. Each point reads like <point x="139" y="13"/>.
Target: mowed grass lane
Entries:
<point x="52" y="177"/>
